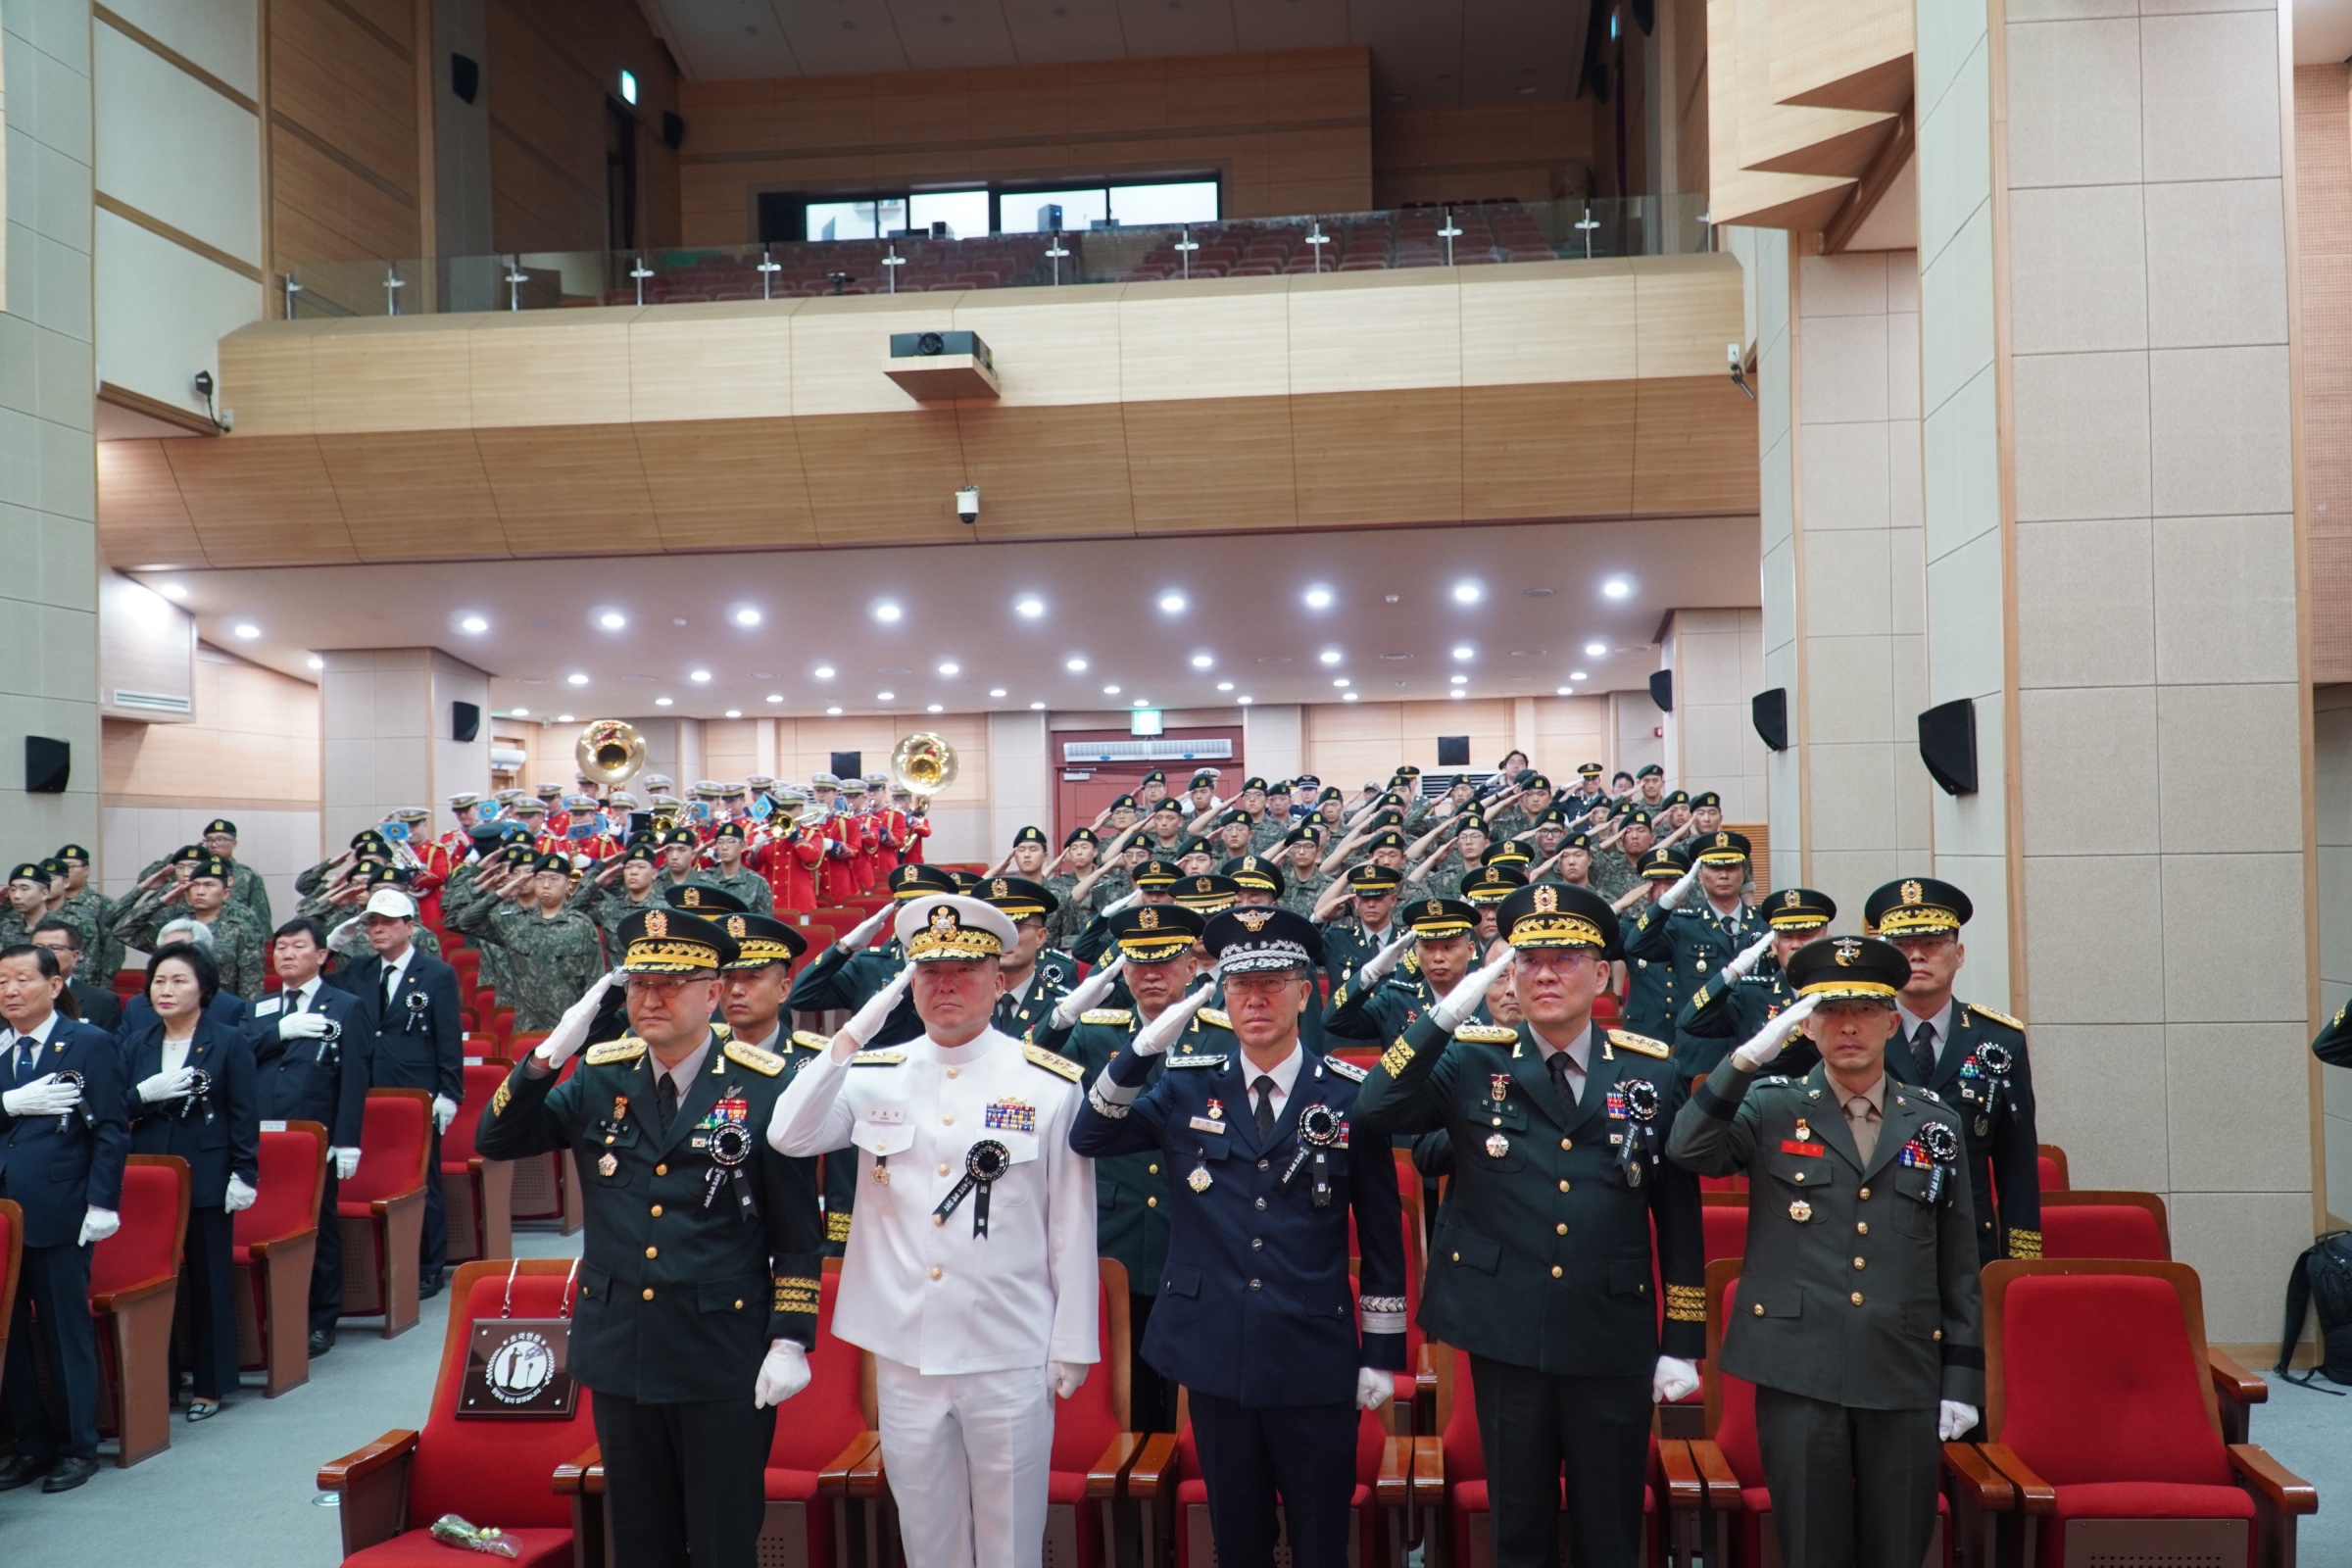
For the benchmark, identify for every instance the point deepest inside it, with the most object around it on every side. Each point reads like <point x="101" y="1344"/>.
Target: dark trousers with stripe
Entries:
<point x="1851" y="1488"/>
<point x="1537" y="1428"/>
<point x="1248" y="1454"/>
<point x="686" y="1482"/>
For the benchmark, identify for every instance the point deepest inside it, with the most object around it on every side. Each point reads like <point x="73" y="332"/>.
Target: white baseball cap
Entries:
<point x="392" y="902"/>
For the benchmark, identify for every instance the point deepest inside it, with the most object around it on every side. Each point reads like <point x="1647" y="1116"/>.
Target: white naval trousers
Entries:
<point x="966" y="1454"/>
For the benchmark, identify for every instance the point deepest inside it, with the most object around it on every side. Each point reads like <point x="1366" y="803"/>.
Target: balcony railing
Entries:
<point x="1484" y="234"/>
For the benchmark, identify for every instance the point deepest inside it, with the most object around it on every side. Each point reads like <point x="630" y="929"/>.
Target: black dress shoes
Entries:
<point x="321" y="1342"/>
<point x="69" y="1474"/>
<point x="18" y="1470"/>
<point x="430" y="1286"/>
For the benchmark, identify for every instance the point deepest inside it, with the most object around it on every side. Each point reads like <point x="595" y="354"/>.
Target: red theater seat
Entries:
<point x="821" y="1435"/>
<point x="476" y="1194"/>
<point x="2052" y="1162"/>
<point x="275" y="1241"/>
<point x="134" y="1285"/>
<point x="381" y="1208"/>
<point x="501" y="1474"/>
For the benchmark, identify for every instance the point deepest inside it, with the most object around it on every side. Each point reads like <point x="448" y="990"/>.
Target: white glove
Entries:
<point x="347" y="1164"/>
<point x="783" y="1373"/>
<point x="1468" y="992"/>
<point x="1161" y="1032"/>
<point x="1741" y="967"/>
<point x="1066" y="1377"/>
<point x="445" y="1111"/>
<point x="1381" y="962"/>
<point x="867" y="1021"/>
<point x="47" y="1095"/>
<point x="1122" y="902"/>
<point x="1672" y="1379"/>
<point x="570" y="1032"/>
<point x="174" y="1085"/>
<point x="1091" y="990"/>
<point x="1374" y="1388"/>
<point x="862" y="935"/>
<point x="1775" y="1033"/>
<point x="1680" y="890"/>
<point x="1955" y="1421"/>
<point x="240" y="1194"/>
<point x="302" y="1026"/>
<point x="97" y="1224"/>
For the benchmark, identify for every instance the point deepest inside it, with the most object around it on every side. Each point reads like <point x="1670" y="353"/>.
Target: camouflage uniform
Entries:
<point x="92" y="914"/>
<point x="747" y="886"/>
<point x="239" y="939"/>
<point x="246" y="891"/>
<point x="551" y="959"/>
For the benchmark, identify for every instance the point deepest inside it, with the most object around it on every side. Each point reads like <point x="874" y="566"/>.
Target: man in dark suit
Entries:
<point x="63" y="1138"/>
<point x="310" y="1043"/>
<point x="96" y="1005"/>
<point x="409" y="1024"/>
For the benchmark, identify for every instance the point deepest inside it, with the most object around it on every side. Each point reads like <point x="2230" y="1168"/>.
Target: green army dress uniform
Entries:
<point x="1727" y="1009"/>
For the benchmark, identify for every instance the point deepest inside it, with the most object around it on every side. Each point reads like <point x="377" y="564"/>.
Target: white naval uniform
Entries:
<point x="961" y="1326"/>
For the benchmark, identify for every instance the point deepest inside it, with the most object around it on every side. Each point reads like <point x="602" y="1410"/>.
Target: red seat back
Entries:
<point x="495" y="1472"/>
<point x="8" y="1254"/>
<point x="1736" y="1399"/>
<point x="1085" y="1423"/>
<point x="2102" y="1381"/>
<point x="482" y="1079"/>
<point x="2052" y="1170"/>
<point x="2093" y="1229"/>
<point x="1465" y="1455"/>
<point x="289" y="1189"/>
<point x="1726" y="1230"/>
<point x="820" y="1420"/>
<point x="155" y="1214"/>
<point x="394" y="1137"/>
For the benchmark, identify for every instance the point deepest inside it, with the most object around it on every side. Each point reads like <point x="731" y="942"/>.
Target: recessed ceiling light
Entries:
<point x="1031" y="608"/>
<point x="824" y="672"/>
<point x="1224" y="685"/>
<point x="1172" y="604"/>
<point x="1142" y="702"/>
<point x="951" y="668"/>
<point x="775" y="697"/>
<point x="1595" y="649"/>
<point x="996" y="691"/>
<point x="1459" y="680"/>
<point x="1036" y="707"/>
<point x="1202" y="661"/>
<point x="1342" y="682"/>
<point x="519" y="713"/>
<point x="174" y="591"/>
<point x="746" y="617"/>
<point x="1075" y="667"/>
<point x="936" y="708"/>
<point x="1347" y="697"/>
<point x="886" y="612"/>
<point x="1539" y="593"/>
<point x="1459" y="692"/>
<point x="475" y="624"/>
<point x="563" y="718"/>
<point x="1576" y="674"/>
<point x="886" y="697"/>
<point x="834" y="711"/>
<point x="1110" y="691"/>
<point x="698" y="675"/>
<point x="1467" y="593"/>
<point x="1616" y="587"/>
<point x="246" y="630"/>
<point x="1318" y="599"/>
<point x="1329" y="656"/>
<point x="734" y="712"/>
<point x="1565" y="691"/>
<point x="317" y="663"/>
<point x="612" y="620"/>
<point x="1462" y="652"/>
<point x="1391" y="599"/>
<point x="578" y="677"/>
<point x="663" y="702"/>
<point x="1245" y="701"/>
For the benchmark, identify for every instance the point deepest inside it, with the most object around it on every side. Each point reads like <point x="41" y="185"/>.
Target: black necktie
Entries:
<point x="1559" y="1065"/>
<point x="1264" y="1089"/>
<point x="665" y="1100"/>
<point x="28" y="1049"/>
<point x="1923" y="1052"/>
<point x="391" y="984"/>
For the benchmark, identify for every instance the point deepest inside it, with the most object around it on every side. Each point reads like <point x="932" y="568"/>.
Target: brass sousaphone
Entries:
<point x="923" y="764"/>
<point x="609" y="751"/>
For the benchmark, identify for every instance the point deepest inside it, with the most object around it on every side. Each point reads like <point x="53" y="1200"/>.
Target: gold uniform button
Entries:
<point x="950" y="1072"/>
<point x="1857" y="1298"/>
<point x="653" y="1251"/>
<point x="657" y="1212"/>
<point x="1938" y="1335"/>
<point x="1559" y="1229"/>
<point x="1457" y="1257"/>
<point x="1156" y="1170"/>
<point x="1866" y="1194"/>
<point x="738" y="1306"/>
<point x="1151" y="1203"/>
<point x="661" y="1170"/>
<point x="1555" y="1271"/>
<point x="1567" y="1143"/>
<point x="942" y="1170"/>
<point x="1759" y="1309"/>
<point x="935" y="1274"/>
<point x="947" y="1121"/>
<point x="1563" y="1186"/>
<point x="1857" y="1262"/>
<point x="1861" y="1227"/>
<point x="1800" y="1175"/>
<point x="649" y="1292"/>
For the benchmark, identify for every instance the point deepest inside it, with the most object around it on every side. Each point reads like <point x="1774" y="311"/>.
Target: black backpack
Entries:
<point x="2322" y="1278"/>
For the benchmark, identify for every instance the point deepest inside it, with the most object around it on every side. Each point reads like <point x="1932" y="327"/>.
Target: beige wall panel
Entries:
<point x="840" y="346"/>
<point x="730" y="749"/>
<point x="1549" y="322"/>
<point x="414" y="495"/>
<point x="373" y="373"/>
<point x="256" y="501"/>
<point x="320" y="211"/>
<point x="726" y="361"/>
<point x="142" y="517"/>
<point x="1548" y="451"/>
<point x="2324" y="278"/>
<point x="1841" y="53"/>
<point x="1738" y="67"/>
<point x="569" y="491"/>
<point x="1377" y="456"/>
<point x="575" y="370"/>
<point x="1362" y="332"/>
<point x="1349" y="743"/>
<point x="1687" y="309"/>
<point x="265" y="376"/>
<point x="1178" y="338"/>
<point x="348" y="83"/>
<point x="1569" y="731"/>
<point x="1695" y="447"/>
<point x="884" y="479"/>
<point x="806" y="746"/>
<point x="1211" y="465"/>
<point x="1527" y="150"/>
<point x="727" y="484"/>
<point x="254" y="737"/>
<point x="1768" y="129"/>
<point x="1047" y="350"/>
<point x="1044" y="471"/>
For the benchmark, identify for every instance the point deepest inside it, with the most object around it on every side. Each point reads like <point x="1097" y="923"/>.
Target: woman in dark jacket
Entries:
<point x="194" y="1096"/>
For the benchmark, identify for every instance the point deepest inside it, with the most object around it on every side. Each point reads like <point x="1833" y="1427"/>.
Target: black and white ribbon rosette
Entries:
<point x="987" y="1161"/>
<point x="80" y="1107"/>
<point x="1319" y="1132"/>
<point x="1943" y="1146"/>
<point x="331" y="1044"/>
<point x="1640" y="1148"/>
<point x="418" y="1004"/>
<point x="730" y="1151"/>
<point x="1996" y="1061"/>
<point x="200" y="1093"/>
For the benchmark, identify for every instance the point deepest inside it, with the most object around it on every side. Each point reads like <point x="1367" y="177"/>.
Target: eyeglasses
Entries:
<point x="664" y="985"/>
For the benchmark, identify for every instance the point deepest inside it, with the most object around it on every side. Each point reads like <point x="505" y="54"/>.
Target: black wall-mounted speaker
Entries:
<point x="464" y="721"/>
<point x="464" y="77"/>
<point x="1947" y="745"/>
<point x="1454" y="751"/>
<point x="48" y="763"/>
<point x="673" y="131"/>
<point x="1661" y="690"/>
<point x="848" y="764"/>
<point x="1770" y="710"/>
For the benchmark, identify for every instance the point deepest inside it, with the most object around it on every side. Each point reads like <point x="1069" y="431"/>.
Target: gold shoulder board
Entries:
<point x="1346" y="1070"/>
<point x="766" y="1062"/>
<point x="1485" y="1034"/>
<point x="626" y="1048"/>
<point x="722" y="1031"/>
<point x="1625" y="1040"/>
<point x="1117" y="1018"/>
<point x="877" y="1058"/>
<point x="1982" y="1011"/>
<point x="1214" y="1017"/>
<point x="810" y="1039"/>
<point x="1059" y="1067"/>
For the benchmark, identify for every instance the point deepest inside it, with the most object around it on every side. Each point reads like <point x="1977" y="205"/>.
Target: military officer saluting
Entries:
<point x="1394" y="985"/>
<point x="1032" y="986"/>
<point x="1736" y="1000"/>
<point x="1697" y="938"/>
<point x="1858" y="1315"/>
<point x="1653" y="988"/>
<point x="698" y="1282"/>
<point x="849" y="974"/>
<point x="1253" y="1316"/>
<point x="1973" y="1057"/>
<point x="1540" y="1266"/>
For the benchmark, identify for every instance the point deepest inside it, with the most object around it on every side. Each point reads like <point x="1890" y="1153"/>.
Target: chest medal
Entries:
<point x="1497" y="1146"/>
<point x="1801" y="1211"/>
<point x="1199" y="1179"/>
<point x="607" y="1164"/>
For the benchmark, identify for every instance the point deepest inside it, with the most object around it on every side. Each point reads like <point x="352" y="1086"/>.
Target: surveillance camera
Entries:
<point x="967" y="504"/>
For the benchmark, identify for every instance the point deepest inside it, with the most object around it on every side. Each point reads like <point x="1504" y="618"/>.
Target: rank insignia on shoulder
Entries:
<point x="1640" y="1045"/>
<point x="1485" y="1034"/>
<point x="626" y="1048"/>
<point x="1116" y="1017"/>
<point x="764" y="1062"/>
<point x="1346" y="1070"/>
<point x="1928" y="1094"/>
<point x="1059" y="1067"/>
<point x="810" y="1039"/>
<point x="1773" y="1080"/>
<point x="1214" y="1017"/>
<point x="877" y="1058"/>
<point x="1982" y="1011"/>
<point x="1197" y="1060"/>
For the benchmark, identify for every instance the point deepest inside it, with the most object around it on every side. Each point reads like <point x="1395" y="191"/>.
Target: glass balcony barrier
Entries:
<point x="1480" y="234"/>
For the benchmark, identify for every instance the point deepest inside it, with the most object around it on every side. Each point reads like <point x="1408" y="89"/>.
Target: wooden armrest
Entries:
<point x="1103" y="1480"/>
<point x="1149" y="1471"/>
<point x="572" y="1473"/>
<point x="1685" y="1488"/>
<point x="132" y="1294"/>
<point x="833" y="1481"/>
<point x="592" y="1479"/>
<point x="2234" y="1382"/>
<point x="1429" y="1470"/>
<point x="865" y="1479"/>
<point x="1396" y="1480"/>
<point x="1723" y="1486"/>
<point x="360" y="1463"/>
<point x="260" y="1251"/>
<point x="2033" y="1494"/>
<point x="2287" y="1492"/>
<point x="1989" y="1488"/>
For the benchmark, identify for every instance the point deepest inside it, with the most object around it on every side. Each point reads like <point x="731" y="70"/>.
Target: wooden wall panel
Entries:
<point x="1533" y="152"/>
<point x="2324" y="243"/>
<point x="344" y="145"/>
<point x="255" y="738"/>
<point x="553" y="66"/>
<point x="1358" y="741"/>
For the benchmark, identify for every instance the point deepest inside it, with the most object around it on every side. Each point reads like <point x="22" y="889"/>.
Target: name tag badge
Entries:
<point x="886" y="1115"/>
<point x="273" y="1126"/>
<point x="267" y="1005"/>
<point x="1789" y="1146"/>
<point x="1206" y="1124"/>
